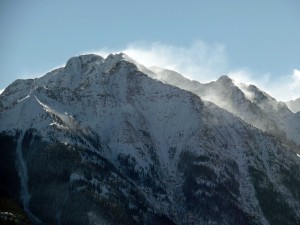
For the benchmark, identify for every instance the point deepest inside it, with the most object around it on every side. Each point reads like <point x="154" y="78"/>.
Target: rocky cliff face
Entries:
<point x="101" y="142"/>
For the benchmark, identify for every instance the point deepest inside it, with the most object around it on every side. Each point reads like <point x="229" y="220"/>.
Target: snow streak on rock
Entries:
<point x="23" y="174"/>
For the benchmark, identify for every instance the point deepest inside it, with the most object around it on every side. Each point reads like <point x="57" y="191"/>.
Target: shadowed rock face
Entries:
<point x="100" y="142"/>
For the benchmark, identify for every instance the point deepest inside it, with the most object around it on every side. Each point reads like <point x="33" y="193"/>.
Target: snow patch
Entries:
<point x="23" y="174"/>
<point x="94" y="218"/>
<point x="76" y="176"/>
<point x="20" y="100"/>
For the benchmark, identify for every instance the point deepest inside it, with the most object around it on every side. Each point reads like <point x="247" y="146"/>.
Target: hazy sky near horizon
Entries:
<point x="253" y="41"/>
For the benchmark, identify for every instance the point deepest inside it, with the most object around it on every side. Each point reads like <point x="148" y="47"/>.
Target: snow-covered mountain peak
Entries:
<point x="102" y="137"/>
<point x="85" y="71"/>
<point x="258" y="95"/>
<point x="82" y="63"/>
<point x="225" y="80"/>
<point x="112" y="59"/>
<point x="84" y="59"/>
<point x="118" y="57"/>
<point x="263" y="99"/>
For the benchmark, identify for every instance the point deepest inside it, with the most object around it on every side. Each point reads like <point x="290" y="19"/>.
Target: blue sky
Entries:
<point x="252" y="41"/>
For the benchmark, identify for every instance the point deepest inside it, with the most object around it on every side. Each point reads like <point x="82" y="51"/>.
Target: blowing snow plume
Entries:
<point x="205" y="62"/>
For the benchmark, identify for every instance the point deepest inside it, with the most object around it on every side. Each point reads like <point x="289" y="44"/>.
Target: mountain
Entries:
<point x="294" y="105"/>
<point x="100" y="141"/>
<point x="245" y="101"/>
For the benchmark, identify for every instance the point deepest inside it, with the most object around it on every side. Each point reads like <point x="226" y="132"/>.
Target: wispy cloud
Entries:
<point x="290" y="85"/>
<point x="200" y="61"/>
<point x="283" y="88"/>
<point x="206" y="62"/>
<point x="296" y="79"/>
